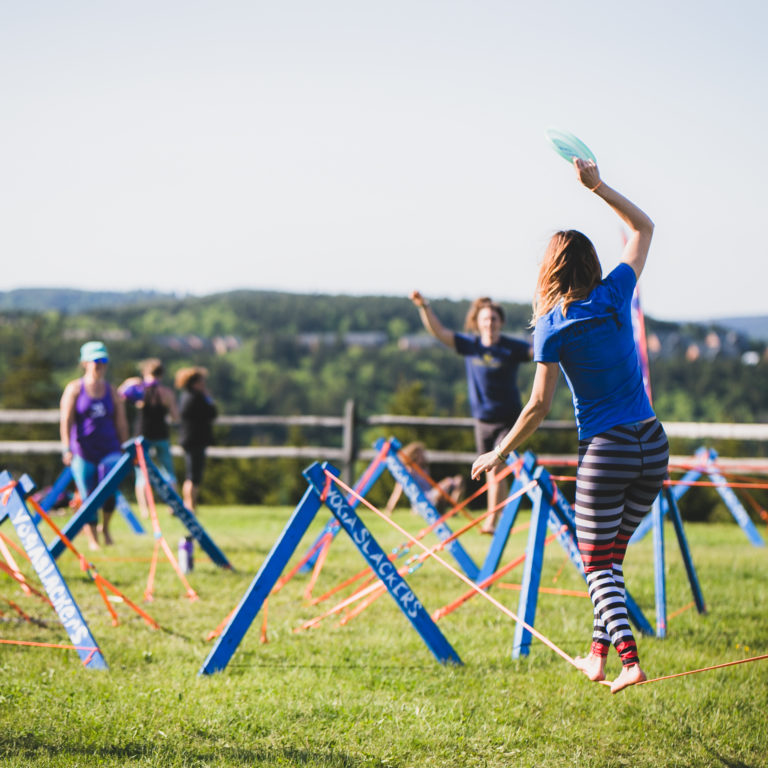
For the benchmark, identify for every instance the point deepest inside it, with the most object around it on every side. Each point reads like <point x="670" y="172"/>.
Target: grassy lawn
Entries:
<point x="369" y="693"/>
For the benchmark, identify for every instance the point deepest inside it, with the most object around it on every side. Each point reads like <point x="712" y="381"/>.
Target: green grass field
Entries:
<point x="370" y="693"/>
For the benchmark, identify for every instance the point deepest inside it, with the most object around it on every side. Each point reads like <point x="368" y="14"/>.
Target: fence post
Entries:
<point x="349" y="441"/>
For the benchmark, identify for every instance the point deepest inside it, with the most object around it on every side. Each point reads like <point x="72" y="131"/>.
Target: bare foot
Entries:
<point x="593" y="666"/>
<point x="93" y="546"/>
<point x="488" y="531"/>
<point x="630" y="675"/>
<point x="107" y="538"/>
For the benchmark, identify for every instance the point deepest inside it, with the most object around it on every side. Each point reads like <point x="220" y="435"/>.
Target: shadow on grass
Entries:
<point x="730" y="762"/>
<point x="30" y="751"/>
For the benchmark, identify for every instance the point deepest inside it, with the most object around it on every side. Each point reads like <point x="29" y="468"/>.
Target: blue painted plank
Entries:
<point x="378" y="561"/>
<point x="58" y="591"/>
<point x="424" y="507"/>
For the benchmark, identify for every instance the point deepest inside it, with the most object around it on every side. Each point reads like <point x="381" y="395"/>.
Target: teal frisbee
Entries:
<point x="568" y="146"/>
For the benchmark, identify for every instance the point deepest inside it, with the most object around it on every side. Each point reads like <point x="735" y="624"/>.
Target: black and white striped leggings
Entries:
<point x="620" y="473"/>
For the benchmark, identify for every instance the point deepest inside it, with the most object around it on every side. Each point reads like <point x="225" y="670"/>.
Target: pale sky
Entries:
<point x="360" y="147"/>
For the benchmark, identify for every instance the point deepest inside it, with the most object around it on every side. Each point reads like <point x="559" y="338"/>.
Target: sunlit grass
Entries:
<point x="370" y="693"/>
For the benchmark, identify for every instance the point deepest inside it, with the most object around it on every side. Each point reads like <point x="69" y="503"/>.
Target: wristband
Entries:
<point x="596" y="187"/>
<point x="500" y="455"/>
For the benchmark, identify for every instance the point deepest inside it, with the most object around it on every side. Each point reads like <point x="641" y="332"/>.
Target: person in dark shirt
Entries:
<point x="492" y="360"/>
<point x="197" y="412"/>
<point x="155" y="405"/>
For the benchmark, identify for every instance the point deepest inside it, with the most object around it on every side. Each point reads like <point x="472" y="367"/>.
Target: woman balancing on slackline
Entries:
<point x="583" y="323"/>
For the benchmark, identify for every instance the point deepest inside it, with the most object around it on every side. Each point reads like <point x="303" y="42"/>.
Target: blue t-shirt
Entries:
<point x="492" y="375"/>
<point x="596" y="349"/>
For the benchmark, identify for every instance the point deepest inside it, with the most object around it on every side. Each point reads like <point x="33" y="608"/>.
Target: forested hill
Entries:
<point x="280" y="353"/>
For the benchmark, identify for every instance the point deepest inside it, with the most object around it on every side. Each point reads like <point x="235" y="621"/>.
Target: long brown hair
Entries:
<point x="569" y="272"/>
<point x="470" y="322"/>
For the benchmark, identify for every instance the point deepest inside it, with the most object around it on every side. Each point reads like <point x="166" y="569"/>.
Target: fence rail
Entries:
<point x="349" y="423"/>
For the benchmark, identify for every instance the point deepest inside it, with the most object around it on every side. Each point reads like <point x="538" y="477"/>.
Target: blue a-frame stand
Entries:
<point x="706" y="465"/>
<point x="419" y="502"/>
<point x="321" y="491"/>
<point x="666" y="501"/>
<point x="109" y="486"/>
<point x="44" y="564"/>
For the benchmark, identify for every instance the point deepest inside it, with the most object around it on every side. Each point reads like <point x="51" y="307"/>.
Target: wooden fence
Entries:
<point x="349" y="423"/>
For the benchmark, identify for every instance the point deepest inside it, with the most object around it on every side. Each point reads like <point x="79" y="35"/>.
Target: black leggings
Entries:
<point x="620" y="473"/>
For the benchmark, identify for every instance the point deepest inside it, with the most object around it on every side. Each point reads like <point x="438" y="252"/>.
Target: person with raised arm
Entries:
<point x="582" y="326"/>
<point x="491" y="360"/>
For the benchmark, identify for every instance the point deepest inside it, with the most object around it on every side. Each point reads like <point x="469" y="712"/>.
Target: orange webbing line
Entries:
<point x="5" y="492"/>
<point x="413" y="562"/>
<point x="263" y="637"/>
<point x="494" y="577"/>
<point x="704" y="669"/>
<point x="461" y="576"/>
<point x="548" y="590"/>
<point x="680" y="610"/>
<point x="364" y="591"/>
<point x="11" y="543"/>
<point x="159" y="538"/>
<point x="420" y="535"/>
<point x="52" y="645"/>
<point x="283" y="580"/>
<point x="21" y="579"/>
<point x="101" y="582"/>
<point x="324" y="541"/>
<point x="17" y="574"/>
<point x="435" y="486"/>
<point x="380" y="589"/>
<point x="18" y="609"/>
<point x="757" y="507"/>
<point x="319" y="563"/>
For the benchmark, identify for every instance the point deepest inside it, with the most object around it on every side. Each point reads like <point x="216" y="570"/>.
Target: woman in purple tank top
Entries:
<point x="92" y="428"/>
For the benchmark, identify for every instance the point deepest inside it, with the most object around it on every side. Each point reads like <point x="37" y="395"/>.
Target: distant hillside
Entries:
<point x="72" y="301"/>
<point x="755" y="327"/>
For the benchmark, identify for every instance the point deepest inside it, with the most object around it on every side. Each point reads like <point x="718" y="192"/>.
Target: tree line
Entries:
<point x="283" y="354"/>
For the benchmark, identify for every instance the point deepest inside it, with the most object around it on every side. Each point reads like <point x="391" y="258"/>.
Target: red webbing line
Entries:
<point x="283" y="580"/>
<point x="461" y="576"/>
<point x="5" y="492"/>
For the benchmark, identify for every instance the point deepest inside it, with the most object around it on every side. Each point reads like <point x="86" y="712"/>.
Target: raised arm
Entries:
<point x="121" y="420"/>
<point x="640" y="225"/>
<point x="430" y="322"/>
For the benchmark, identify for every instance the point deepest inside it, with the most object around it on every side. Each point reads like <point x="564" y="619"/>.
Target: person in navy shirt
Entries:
<point x="491" y="360"/>
<point x="583" y="327"/>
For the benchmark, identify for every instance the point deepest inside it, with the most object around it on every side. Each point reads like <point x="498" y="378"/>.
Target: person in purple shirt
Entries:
<point x="491" y="360"/>
<point x="583" y="327"/>
<point x="92" y="427"/>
